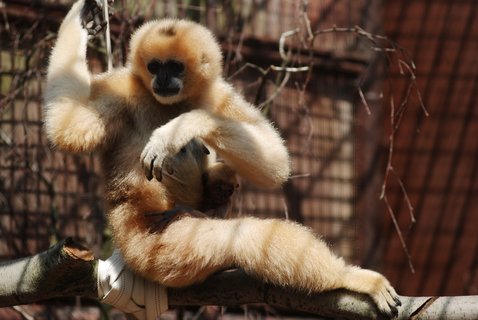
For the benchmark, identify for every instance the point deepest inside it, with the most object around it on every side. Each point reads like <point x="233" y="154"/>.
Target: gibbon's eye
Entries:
<point x="206" y="150"/>
<point x="154" y="66"/>
<point x="175" y="67"/>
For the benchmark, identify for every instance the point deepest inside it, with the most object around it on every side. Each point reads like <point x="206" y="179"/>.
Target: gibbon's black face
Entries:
<point x="167" y="77"/>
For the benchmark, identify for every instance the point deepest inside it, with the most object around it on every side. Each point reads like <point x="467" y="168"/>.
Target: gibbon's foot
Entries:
<point x="376" y="286"/>
<point x="92" y="18"/>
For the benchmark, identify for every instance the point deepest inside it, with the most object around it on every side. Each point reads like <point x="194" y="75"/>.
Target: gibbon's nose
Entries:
<point x="163" y="79"/>
<point x="165" y="86"/>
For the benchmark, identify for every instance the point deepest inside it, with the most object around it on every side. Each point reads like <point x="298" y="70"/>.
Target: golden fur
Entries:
<point x="118" y="115"/>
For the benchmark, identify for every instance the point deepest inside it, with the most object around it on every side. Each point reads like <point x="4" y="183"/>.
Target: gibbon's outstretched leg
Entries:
<point x="253" y="148"/>
<point x="191" y="247"/>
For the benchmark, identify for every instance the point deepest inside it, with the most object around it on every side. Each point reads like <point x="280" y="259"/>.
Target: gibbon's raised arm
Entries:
<point x="68" y="75"/>
<point x="73" y="120"/>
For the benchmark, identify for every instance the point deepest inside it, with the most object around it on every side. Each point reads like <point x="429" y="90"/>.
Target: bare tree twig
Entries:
<point x="382" y="44"/>
<point x="399" y="233"/>
<point x="391" y="139"/>
<point x="276" y="92"/>
<point x="413" y="79"/>
<point x="286" y="56"/>
<point x="405" y="195"/>
<point x="290" y="69"/>
<point x="364" y="101"/>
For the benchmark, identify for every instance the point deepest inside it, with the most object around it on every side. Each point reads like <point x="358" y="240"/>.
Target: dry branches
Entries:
<point x="394" y="55"/>
<point x="392" y="52"/>
<point x="292" y="45"/>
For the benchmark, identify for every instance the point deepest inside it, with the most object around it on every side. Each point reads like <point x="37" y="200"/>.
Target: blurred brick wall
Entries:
<point x="436" y="156"/>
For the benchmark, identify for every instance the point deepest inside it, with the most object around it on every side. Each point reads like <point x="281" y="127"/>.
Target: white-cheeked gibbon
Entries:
<point x="141" y="118"/>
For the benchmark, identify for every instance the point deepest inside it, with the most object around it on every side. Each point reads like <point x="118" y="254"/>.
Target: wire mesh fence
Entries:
<point x="338" y="151"/>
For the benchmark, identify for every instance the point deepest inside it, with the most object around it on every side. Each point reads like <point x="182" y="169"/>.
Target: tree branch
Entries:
<point x="68" y="269"/>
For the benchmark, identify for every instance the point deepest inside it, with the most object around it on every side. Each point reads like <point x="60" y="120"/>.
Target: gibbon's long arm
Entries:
<point x="281" y="252"/>
<point x="242" y="137"/>
<point x="72" y="121"/>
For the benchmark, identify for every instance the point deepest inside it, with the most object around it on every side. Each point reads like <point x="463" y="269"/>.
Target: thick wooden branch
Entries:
<point x="235" y="287"/>
<point x="68" y="269"/>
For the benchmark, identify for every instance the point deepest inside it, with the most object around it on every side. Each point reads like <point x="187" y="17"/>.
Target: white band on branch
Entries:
<point x="120" y="287"/>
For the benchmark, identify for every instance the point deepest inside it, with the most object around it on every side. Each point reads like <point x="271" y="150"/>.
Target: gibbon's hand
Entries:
<point x="170" y="138"/>
<point x="152" y="159"/>
<point x="92" y="18"/>
<point x="154" y="153"/>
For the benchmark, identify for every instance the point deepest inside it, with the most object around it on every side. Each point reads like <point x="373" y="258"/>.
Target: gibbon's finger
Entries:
<point x="92" y="31"/>
<point x="387" y="307"/>
<point x="88" y="9"/>
<point x="97" y="29"/>
<point x="91" y="18"/>
<point x="386" y="300"/>
<point x="87" y="21"/>
<point x="392" y="297"/>
<point x="157" y="169"/>
<point x="88" y="25"/>
<point x="148" y="163"/>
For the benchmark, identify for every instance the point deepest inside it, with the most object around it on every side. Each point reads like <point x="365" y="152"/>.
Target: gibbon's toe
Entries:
<point x="387" y="299"/>
<point x="376" y="286"/>
<point x="397" y="301"/>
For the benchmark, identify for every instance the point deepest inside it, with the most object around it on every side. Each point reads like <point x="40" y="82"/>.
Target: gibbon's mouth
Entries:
<point x="166" y="92"/>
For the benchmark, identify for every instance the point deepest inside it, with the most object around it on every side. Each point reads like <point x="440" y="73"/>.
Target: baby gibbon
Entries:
<point x="193" y="176"/>
<point x="170" y="92"/>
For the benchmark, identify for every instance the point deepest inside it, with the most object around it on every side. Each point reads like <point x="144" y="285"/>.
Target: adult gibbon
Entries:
<point x="170" y="92"/>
